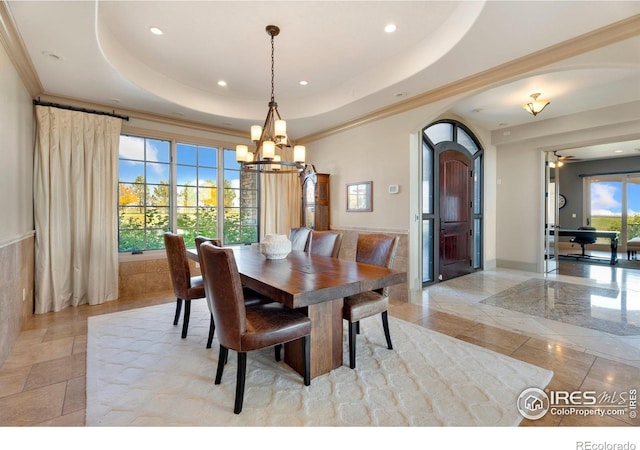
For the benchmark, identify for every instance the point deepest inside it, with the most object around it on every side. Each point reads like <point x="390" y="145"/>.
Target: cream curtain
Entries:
<point x="75" y="208"/>
<point x="280" y="203"/>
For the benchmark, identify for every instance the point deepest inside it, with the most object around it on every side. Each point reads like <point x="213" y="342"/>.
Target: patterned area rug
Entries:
<point x="141" y="373"/>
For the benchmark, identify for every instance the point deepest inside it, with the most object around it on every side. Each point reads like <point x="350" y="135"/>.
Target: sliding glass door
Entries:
<point x="633" y="206"/>
<point x="613" y="204"/>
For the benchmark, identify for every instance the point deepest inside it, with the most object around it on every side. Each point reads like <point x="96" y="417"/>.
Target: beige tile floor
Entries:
<point x="42" y="383"/>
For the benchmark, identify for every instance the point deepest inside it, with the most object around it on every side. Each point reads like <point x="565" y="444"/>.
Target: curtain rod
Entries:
<point x="582" y="175"/>
<point x="73" y="108"/>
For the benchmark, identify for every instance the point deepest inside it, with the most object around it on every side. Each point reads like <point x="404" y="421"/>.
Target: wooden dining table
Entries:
<point x="313" y="284"/>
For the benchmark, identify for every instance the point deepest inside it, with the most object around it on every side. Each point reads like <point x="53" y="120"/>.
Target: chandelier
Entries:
<point x="271" y="137"/>
<point x="535" y="106"/>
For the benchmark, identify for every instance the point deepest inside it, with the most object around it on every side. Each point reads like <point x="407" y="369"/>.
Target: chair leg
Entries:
<point x="385" y="326"/>
<point x="178" y="309"/>
<point x="212" y="329"/>
<point x="185" y="322"/>
<point x="306" y="343"/>
<point x="352" y="344"/>
<point x="358" y="327"/>
<point x="242" y="370"/>
<point x="222" y="359"/>
<point x="278" y="352"/>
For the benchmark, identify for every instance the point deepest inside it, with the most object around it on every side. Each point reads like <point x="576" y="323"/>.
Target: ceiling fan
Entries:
<point x="565" y="158"/>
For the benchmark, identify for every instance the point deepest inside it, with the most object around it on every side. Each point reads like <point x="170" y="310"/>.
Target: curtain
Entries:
<point x="75" y="208"/>
<point x="280" y="201"/>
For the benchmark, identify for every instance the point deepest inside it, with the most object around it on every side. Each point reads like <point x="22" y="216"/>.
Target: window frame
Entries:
<point x="174" y="139"/>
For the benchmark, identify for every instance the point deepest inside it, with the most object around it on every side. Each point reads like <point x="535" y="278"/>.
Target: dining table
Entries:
<point x="315" y="285"/>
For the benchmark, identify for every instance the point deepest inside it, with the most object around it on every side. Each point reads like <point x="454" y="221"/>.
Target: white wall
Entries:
<point x="520" y="174"/>
<point x="16" y="154"/>
<point x="16" y="205"/>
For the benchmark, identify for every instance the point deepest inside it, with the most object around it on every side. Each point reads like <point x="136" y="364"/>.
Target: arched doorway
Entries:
<point x="452" y="210"/>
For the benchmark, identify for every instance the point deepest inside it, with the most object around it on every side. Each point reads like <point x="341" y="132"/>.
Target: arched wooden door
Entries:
<point x="456" y="214"/>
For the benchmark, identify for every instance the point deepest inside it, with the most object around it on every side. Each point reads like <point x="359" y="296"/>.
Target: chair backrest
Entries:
<point x="225" y="292"/>
<point x="379" y="250"/>
<point x="178" y="264"/>
<point x="586" y="239"/>
<point x="199" y="241"/>
<point x="326" y="243"/>
<point x="299" y="238"/>
<point x="376" y="249"/>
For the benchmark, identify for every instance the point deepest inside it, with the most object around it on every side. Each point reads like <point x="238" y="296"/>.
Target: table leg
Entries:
<point x="614" y="251"/>
<point x="326" y="339"/>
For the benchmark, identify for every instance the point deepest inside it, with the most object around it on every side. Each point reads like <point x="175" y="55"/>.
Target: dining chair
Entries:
<point x="379" y="250"/>
<point x="245" y="329"/>
<point x="325" y="243"/>
<point x="299" y="238"/>
<point x="251" y="297"/>
<point x="185" y="287"/>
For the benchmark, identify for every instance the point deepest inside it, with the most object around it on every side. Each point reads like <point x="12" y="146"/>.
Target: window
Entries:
<point x="144" y="200"/>
<point x="614" y="204"/>
<point x="167" y="185"/>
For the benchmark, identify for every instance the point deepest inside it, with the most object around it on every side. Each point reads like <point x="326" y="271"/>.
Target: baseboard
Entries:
<point x="517" y="265"/>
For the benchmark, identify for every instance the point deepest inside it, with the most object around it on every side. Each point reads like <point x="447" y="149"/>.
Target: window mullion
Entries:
<point x="173" y="189"/>
<point x="220" y="192"/>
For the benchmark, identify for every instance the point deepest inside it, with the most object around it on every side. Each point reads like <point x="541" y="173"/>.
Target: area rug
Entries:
<point x="141" y="373"/>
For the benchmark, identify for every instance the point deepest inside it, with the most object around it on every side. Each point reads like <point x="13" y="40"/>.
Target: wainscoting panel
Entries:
<point x="16" y="289"/>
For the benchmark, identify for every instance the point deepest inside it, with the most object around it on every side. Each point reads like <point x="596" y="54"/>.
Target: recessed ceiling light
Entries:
<point x="222" y="83"/>
<point x="617" y="151"/>
<point x="390" y="28"/>
<point x="303" y="82"/>
<point x="157" y="31"/>
<point x="115" y="100"/>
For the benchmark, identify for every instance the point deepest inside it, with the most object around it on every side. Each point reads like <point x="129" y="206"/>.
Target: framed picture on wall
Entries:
<point x="359" y="196"/>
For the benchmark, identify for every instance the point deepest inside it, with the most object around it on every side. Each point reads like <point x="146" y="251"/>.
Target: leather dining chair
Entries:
<point x="251" y="297"/>
<point x="245" y="329"/>
<point x="379" y="250"/>
<point x="185" y="287"/>
<point x="325" y="243"/>
<point x="299" y="238"/>
<point x="212" y="325"/>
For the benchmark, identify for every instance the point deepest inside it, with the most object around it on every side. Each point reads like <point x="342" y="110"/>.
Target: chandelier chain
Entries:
<point x="272" y="69"/>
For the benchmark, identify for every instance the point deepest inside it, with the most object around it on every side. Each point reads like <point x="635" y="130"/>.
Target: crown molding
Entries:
<point x="142" y="115"/>
<point x="15" y="48"/>
<point x="616" y="32"/>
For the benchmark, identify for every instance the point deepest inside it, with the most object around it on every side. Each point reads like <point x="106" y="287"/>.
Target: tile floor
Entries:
<point x="42" y="383"/>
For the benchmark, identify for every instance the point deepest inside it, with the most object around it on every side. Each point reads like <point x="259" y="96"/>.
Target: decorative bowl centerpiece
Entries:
<point x="275" y="246"/>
